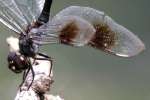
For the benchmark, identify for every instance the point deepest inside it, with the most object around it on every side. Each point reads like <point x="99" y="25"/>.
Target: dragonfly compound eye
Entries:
<point x="16" y="63"/>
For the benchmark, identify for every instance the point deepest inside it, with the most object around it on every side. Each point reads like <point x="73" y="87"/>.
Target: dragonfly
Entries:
<point x="75" y="26"/>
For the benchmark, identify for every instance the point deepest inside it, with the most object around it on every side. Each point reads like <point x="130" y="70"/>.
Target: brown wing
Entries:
<point x="109" y="36"/>
<point x="69" y="30"/>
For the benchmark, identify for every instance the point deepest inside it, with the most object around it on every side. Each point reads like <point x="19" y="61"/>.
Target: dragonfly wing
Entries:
<point x="44" y="35"/>
<point x="18" y="14"/>
<point x="31" y="8"/>
<point x="109" y="36"/>
<point x="11" y="16"/>
<point x="69" y="30"/>
<point x="10" y="25"/>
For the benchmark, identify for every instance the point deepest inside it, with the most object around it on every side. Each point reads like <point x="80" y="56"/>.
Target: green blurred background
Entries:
<point x="88" y="74"/>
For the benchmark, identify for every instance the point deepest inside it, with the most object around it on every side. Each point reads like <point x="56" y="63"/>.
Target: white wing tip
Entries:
<point x="140" y="49"/>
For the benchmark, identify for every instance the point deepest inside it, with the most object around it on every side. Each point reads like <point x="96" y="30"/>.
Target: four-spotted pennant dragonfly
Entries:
<point x="74" y="26"/>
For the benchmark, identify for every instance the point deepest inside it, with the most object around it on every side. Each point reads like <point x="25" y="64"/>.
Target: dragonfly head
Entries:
<point x="16" y="62"/>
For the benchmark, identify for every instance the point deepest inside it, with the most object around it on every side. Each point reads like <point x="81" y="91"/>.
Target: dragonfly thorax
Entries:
<point x="27" y="47"/>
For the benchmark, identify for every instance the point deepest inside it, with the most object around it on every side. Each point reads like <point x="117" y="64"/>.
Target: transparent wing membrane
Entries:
<point x="69" y="30"/>
<point x="9" y="24"/>
<point x="127" y="44"/>
<point x="11" y="16"/>
<point x="109" y="36"/>
<point x="18" y="14"/>
<point x="31" y="9"/>
<point x="39" y="36"/>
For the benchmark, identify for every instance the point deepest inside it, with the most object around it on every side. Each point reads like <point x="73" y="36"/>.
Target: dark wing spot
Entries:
<point x="68" y="33"/>
<point x="104" y="37"/>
